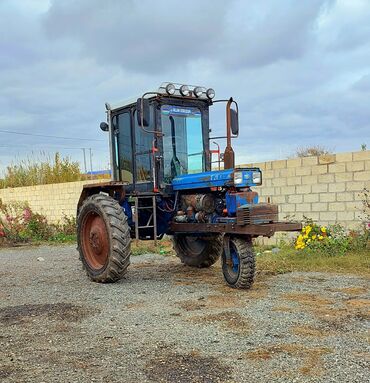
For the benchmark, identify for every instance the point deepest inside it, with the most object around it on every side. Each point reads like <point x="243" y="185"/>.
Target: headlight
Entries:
<point x="210" y="93"/>
<point x="238" y="178"/>
<point x="184" y="90"/>
<point x="198" y="91"/>
<point x="257" y="178"/>
<point x="170" y="89"/>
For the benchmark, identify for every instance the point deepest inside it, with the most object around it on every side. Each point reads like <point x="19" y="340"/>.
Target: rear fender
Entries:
<point x="109" y="188"/>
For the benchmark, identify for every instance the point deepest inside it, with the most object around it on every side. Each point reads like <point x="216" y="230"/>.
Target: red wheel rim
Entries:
<point x="95" y="243"/>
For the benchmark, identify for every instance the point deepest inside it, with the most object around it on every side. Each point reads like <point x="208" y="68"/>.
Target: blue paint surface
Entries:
<point x="235" y="200"/>
<point x="211" y="179"/>
<point x="127" y="210"/>
<point x="235" y="260"/>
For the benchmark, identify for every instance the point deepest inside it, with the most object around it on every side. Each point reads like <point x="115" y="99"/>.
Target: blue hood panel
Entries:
<point x="211" y="179"/>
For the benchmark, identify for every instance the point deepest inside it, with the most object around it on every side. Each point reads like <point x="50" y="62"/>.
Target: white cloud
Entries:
<point x="299" y="70"/>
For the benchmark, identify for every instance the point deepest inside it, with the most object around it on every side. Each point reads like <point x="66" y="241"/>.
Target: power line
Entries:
<point x="43" y="149"/>
<point x="49" y="136"/>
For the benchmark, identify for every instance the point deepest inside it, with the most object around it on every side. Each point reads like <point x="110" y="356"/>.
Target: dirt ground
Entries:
<point x="166" y="322"/>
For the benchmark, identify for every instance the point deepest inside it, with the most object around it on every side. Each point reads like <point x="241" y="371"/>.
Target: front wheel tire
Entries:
<point x="238" y="262"/>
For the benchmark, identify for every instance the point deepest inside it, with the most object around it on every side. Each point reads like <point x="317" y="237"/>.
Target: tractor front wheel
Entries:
<point x="238" y="262"/>
<point x="198" y="251"/>
<point x="103" y="237"/>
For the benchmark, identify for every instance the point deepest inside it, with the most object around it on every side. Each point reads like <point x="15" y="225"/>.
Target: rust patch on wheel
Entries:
<point x="95" y="242"/>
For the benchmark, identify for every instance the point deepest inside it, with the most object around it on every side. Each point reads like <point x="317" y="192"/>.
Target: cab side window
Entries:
<point x="125" y="147"/>
<point x="143" y="149"/>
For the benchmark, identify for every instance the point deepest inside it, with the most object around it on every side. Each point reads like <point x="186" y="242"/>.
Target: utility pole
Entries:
<point x="83" y="150"/>
<point x="91" y="169"/>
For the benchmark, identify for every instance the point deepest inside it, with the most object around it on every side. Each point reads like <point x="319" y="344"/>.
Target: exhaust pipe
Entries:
<point x="229" y="155"/>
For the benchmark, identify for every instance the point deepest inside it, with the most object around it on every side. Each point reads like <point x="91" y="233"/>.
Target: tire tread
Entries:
<point x="119" y="238"/>
<point x="247" y="264"/>
<point x="207" y="258"/>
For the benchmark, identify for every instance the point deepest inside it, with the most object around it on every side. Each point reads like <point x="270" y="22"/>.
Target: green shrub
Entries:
<point x="38" y="228"/>
<point x="332" y="240"/>
<point x="36" y="171"/>
<point x="311" y="151"/>
<point x="18" y="223"/>
<point x="67" y="226"/>
<point x="365" y="198"/>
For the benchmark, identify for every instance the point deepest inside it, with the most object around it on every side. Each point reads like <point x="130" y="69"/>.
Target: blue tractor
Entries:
<point x="163" y="184"/>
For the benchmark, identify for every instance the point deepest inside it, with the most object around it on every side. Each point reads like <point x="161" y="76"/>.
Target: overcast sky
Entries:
<point x="300" y="70"/>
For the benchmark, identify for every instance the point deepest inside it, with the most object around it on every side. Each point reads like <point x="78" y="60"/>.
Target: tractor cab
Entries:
<point x="163" y="183"/>
<point x="160" y="136"/>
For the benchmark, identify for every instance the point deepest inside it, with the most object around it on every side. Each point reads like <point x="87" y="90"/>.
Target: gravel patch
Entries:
<point x="166" y="322"/>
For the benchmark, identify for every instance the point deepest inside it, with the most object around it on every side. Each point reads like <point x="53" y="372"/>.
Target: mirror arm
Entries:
<point x="220" y="137"/>
<point x="237" y="110"/>
<point x="213" y="102"/>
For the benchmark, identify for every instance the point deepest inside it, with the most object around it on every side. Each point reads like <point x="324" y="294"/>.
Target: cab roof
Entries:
<point x="128" y="102"/>
<point x="162" y="90"/>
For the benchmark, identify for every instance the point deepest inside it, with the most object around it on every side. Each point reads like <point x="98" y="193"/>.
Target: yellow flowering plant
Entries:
<point x="311" y="233"/>
<point x="331" y="240"/>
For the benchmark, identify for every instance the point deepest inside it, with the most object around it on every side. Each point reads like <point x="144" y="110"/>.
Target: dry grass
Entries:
<point x="284" y="309"/>
<point x="334" y="313"/>
<point x="227" y="320"/>
<point x="311" y="363"/>
<point x="309" y="331"/>
<point x="135" y="305"/>
<point x="355" y="290"/>
<point x="191" y="305"/>
<point x="308" y="299"/>
<point x="359" y="303"/>
<point x="225" y="300"/>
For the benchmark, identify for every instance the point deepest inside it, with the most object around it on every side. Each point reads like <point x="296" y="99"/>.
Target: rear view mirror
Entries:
<point x="143" y="111"/>
<point x="104" y="126"/>
<point x="234" y="122"/>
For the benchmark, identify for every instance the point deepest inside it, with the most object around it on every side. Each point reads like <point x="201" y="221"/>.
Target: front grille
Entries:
<point x="257" y="214"/>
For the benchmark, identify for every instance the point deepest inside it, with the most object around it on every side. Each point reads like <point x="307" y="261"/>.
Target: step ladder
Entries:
<point x="152" y="221"/>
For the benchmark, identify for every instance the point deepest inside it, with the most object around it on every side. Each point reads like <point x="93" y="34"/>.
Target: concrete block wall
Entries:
<point x="325" y="188"/>
<point x="52" y="200"/>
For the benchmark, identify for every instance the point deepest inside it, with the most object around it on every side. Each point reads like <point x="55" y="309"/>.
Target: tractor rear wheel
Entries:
<point x="198" y="251"/>
<point x="238" y="262"/>
<point x="103" y="237"/>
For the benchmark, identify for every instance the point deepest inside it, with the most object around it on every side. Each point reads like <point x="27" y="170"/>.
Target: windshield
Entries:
<point x="182" y="141"/>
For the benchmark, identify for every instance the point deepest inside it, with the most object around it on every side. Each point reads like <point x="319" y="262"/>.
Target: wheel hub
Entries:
<point x="194" y="245"/>
<point x="234" y="261"/>
<point x="95" y="241"/>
